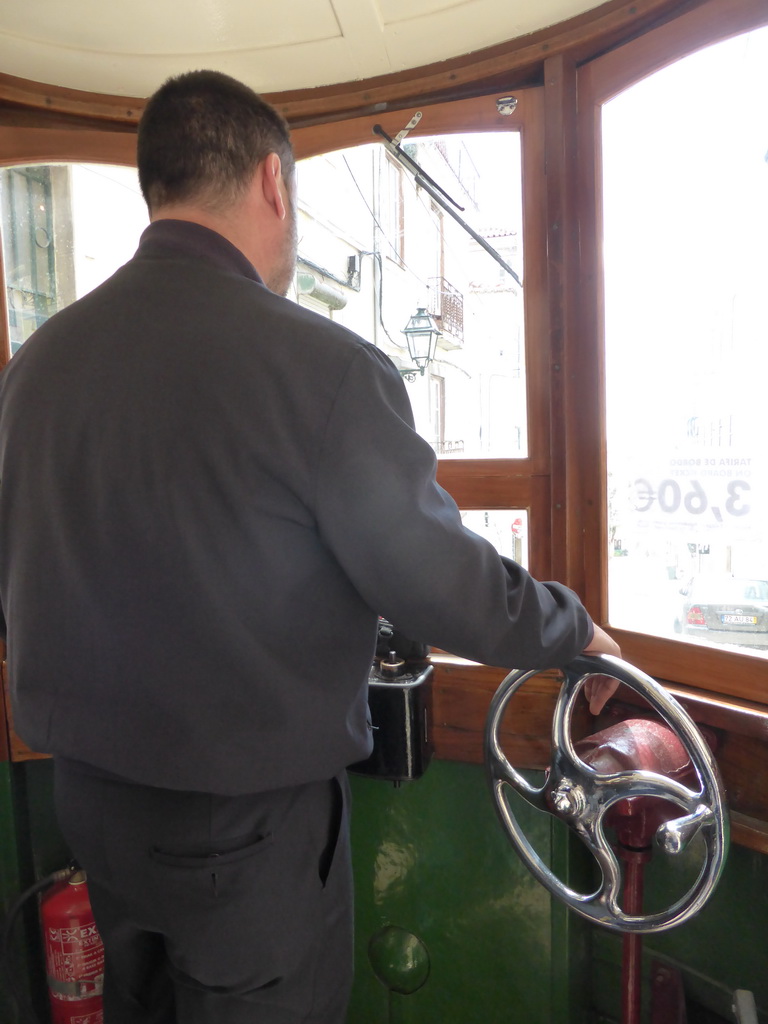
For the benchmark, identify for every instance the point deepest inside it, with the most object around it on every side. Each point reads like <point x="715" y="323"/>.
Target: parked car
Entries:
<point x="725" y="610"/>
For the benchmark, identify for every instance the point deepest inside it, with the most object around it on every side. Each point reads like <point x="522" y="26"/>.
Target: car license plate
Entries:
<point x="739" y="620"/>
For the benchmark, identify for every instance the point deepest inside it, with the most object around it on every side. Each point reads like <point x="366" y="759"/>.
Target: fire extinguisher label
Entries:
<point x="88" y="1018"/>
<point x="75" y="964"/>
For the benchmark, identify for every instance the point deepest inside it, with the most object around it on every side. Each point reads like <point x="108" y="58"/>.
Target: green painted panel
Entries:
<point x="30" y="848"/>
<point x="47" y="850"/>
<point x="462" y="933"/>
<point x="9" y="871"/>
<point x="431" y="860"/>
<point x="570" y="933"/>
<point x="724" y="948"/>
<point x="9" y="858"/>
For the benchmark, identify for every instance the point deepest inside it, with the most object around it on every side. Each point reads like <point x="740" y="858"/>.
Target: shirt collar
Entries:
<point x="191" y="239"/>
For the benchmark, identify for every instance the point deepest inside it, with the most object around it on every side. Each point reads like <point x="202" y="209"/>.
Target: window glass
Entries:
<point x="65" y="229"/>
<point x="378" y="243"/>
<point x="686" y="307"/>
<point x="507" y="530"/>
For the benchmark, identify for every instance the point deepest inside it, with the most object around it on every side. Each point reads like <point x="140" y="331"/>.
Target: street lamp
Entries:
<point x="421" y="334"/>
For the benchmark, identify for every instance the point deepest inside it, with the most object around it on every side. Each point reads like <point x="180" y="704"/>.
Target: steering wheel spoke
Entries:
<point x="582" y="796"/>
<point x="502" y="772"/>
<point x="627" y="785"/>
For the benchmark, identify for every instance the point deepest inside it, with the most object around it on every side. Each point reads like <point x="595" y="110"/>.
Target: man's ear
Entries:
<point x="271" y="182"/>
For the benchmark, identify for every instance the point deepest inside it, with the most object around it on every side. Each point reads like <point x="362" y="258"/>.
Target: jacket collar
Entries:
<point x="189" y="239"/>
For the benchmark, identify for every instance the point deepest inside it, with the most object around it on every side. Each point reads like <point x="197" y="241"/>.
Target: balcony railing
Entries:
<point x="448" y="447"/>
<point x="447" y="308"/>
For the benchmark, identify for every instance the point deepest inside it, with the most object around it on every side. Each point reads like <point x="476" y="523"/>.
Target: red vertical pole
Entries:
<point x="632" y="959"/>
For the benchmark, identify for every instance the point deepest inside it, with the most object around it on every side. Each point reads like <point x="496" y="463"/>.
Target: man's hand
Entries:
<point x="599" y="689"/>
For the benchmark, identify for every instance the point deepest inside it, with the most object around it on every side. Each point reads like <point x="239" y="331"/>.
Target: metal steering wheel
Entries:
<point x="581" y="796"/>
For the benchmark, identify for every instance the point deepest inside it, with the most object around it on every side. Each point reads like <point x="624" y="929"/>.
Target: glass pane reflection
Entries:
<point x="686" y="218"/>
<point x="507" y="530"/>
<point x="65" y="229"/>
<point x="374" y="248"/>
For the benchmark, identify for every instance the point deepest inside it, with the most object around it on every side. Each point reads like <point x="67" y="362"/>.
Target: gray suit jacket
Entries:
<point x="208" y="496"/>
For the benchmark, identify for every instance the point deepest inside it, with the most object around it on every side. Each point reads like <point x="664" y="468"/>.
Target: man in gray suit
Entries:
<point x="209" y="495"/>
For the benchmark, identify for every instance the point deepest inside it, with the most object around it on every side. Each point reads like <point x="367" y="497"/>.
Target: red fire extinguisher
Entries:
<point x="74" y="954"/>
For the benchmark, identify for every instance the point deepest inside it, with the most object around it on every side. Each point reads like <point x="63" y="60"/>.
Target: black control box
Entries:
<point x="400" y="702"/>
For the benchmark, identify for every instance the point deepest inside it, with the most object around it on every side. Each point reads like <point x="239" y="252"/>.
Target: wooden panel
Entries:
<point x="749" y="832"/>
<point x="559" y="110"/>
<point x="738" y="718"/>
<point x="656" y="49"/>
<point x="26" y="93"/>
<point x="569" y="390"/>
<point x="462" y="692"/>
<point x="738" y="757"/>
<point x="17" y="749"/>
<point x="29" y="117"/>
<point x="472" y="115"/>
<point x="41" y="145"/>
<point x="588" y="444"/>
<point x="538" y="346"/>
<point x="487" y="483"/>
<point x="743" y="676"/>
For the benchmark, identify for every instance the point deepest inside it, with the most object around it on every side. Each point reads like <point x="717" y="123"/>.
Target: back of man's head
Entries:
<point x="201" y="137"/>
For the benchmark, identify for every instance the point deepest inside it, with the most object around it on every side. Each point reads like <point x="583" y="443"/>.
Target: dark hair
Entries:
<point x="201" y="136"/>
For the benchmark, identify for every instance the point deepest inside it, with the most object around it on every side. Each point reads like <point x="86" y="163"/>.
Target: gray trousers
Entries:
<point x="215" y="909"/>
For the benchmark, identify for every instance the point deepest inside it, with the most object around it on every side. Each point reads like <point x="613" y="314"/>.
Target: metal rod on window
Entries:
<point x="407" y="161"/>
<point x="440" y="196"/>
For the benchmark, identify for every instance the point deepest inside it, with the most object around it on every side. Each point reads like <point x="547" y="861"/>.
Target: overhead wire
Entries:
<point x="458" y="256"/>
<point x="378" y="257"/>
<point x="395" y="248"/>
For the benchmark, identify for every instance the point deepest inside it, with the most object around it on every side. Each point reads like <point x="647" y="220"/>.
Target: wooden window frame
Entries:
<point x="491" y="484"/>
<point x="740" y="676"/>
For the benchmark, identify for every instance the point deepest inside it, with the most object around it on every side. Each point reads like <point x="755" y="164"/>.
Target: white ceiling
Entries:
<point x="127" y="47"/>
